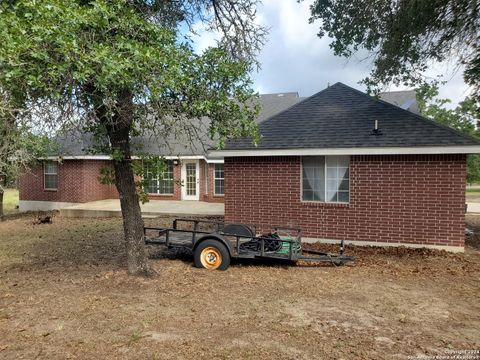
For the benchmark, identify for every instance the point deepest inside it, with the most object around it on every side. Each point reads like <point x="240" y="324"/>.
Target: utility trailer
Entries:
<point x="214" y="244"/>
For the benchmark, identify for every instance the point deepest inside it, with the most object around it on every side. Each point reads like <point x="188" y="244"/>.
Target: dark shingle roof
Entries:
<point x="72" y="142"/>
<point x="271" y="104"/>
<point x="77" y="143"/>
<point x="343" y="117"/>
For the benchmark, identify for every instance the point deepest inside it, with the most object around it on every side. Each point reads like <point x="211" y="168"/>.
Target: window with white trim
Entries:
<point x="159" y="180"/>
<point x="219" y="180"/>
<point x="326" y="179"/>
<point x="50" y="175"/>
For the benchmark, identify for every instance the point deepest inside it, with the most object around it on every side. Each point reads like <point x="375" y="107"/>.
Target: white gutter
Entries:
<point x="470" y="149"/>
<point x="79" y="157"/>
<point x="106" y="157"/>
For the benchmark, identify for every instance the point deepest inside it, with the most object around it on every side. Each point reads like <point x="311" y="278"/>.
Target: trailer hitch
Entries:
<point x="335" y="259"/>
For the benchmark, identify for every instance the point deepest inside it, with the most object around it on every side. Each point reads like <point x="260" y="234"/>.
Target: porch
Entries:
<point x="154" y="208"/>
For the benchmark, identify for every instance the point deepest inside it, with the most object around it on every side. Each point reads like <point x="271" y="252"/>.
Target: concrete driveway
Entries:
<point x="154" y="208"/>
<point x="473" y="207"/>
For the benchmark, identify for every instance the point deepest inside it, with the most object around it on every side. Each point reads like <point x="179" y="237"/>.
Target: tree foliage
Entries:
<point x="119" y="69"/>
<point x="404" y="37"/>
<point x="19" y="145"/>
<point x="465" y="118"/>
<point x="97" y="52"/>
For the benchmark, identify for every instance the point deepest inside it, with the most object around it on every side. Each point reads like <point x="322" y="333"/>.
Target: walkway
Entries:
<point x="473" y="208"/>
<point x="154" y="208"/>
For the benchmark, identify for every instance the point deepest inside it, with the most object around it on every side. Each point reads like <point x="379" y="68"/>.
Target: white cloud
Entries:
<point x="295" y="59"/>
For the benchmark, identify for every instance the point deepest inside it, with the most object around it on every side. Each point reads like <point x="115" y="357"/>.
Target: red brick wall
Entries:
<point x="78" y="181"/>
<point x="202" y="179"/>
<point x="396" y="199"/>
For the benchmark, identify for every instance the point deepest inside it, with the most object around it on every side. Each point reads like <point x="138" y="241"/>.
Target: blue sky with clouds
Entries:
<point x="295" y="59"/>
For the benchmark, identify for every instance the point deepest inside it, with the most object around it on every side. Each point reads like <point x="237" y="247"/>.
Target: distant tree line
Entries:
<point x="465" y="117"/>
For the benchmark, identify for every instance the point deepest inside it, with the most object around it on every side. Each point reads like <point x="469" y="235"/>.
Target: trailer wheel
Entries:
<point x="212" y="255"/>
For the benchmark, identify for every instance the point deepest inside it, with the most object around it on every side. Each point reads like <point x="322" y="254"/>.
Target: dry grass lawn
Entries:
<point x="64" y="293"/>
<point x="472" y="194"/>
<point x="10" y="201"/>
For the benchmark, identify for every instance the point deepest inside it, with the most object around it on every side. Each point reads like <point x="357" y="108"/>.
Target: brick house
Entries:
<point x="339" y="164"/>
<point x="343" y="165"/>
<point x="71" y="175"/>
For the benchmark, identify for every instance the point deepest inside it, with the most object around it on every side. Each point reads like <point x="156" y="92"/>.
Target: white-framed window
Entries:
<point x="50" y="175"/>
<point x="219" y="179"/>
<point x="326" y="179"/>
<point x="159" y="181"/>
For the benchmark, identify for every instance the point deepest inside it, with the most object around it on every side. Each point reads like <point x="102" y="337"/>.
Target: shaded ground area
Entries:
<point x="64" y="293"/>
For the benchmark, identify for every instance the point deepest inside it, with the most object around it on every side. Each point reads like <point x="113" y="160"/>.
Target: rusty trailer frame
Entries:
<point x="213" y="243"/>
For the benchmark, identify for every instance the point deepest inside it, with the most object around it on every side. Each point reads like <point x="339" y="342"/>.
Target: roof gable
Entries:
<point x="342" y="117"/>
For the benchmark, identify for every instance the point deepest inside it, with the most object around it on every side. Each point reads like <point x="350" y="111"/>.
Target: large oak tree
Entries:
<point x="118" y="68"/>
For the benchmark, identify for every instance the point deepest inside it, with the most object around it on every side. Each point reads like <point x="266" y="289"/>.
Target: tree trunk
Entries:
<point x="1" y="202"/>
<point x="132" y="218"/>
<point x="118" y="133"/>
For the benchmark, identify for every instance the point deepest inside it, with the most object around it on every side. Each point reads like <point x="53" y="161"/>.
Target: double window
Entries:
<point x="219" y="180"/>
<point x="159" y="180"/>
<point x="50" y="175"/>
<point x="326" y="179"/>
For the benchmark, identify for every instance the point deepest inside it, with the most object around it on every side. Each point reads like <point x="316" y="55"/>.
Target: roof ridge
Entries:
<point x="423" y="118"/>
<point x="281" y="93"/>
<point x="397" y="91"/>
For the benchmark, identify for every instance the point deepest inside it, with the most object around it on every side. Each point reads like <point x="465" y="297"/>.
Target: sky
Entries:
<point x="295" y="59"/>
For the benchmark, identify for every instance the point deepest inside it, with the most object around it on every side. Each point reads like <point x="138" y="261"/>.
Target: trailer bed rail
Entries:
<point x="238" y="241"/>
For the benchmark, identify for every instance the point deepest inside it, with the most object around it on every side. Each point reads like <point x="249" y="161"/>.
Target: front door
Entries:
<point x="191" y="187"/>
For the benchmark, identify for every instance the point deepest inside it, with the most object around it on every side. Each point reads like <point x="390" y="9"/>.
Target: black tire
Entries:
<point x="209" y="249"/>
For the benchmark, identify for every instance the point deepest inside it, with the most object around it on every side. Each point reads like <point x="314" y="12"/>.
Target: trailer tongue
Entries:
<point x="214" y="244"/>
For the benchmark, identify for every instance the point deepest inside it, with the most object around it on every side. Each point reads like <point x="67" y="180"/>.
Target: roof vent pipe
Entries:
<point x="376" y="130"/>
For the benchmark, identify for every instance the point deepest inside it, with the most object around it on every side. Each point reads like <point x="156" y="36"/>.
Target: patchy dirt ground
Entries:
<point x="64" y="293"/>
